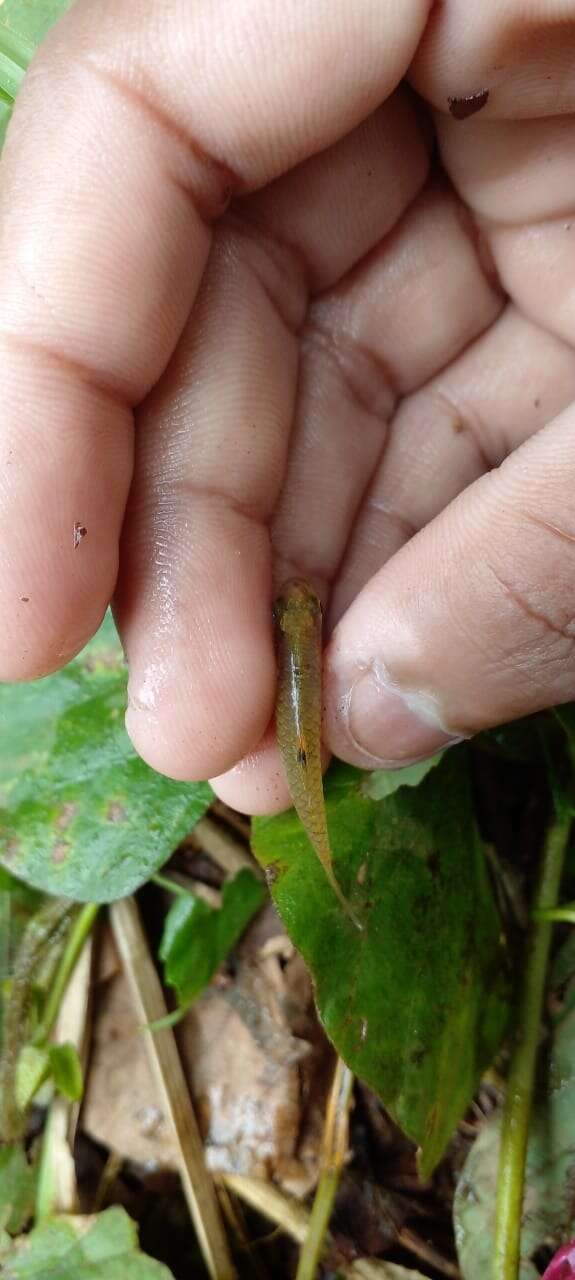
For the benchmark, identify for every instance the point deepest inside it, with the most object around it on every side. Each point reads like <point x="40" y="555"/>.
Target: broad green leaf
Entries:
<point x="66" y="1070"/>
<point x="103" y="1247"/>
<point x="415" y="1003"/>
<point x="549" y="1207"/>
<point x="198" y="937"/>
<point x="23" y="24"/>
<point x="17" y="1189"/>
<point x="383" y="782"/>
<point x="81" y="815"/>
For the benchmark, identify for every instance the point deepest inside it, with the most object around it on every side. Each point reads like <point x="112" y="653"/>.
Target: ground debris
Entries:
<point x="253" y="1053"/>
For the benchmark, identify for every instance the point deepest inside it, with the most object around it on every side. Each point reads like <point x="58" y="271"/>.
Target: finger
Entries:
<point x="471" y="623"/>
<point x="417" y="299"/>
<point x="502" y="389"/>
<point x="507" y="59"/>
<point x="132" y="134"/>
<point x="518" y="177"/>
<point x="257" y="784"/>
<point x="496" y="394"/>
<point x="406" y="311"/>
<point x="193" y="600"/>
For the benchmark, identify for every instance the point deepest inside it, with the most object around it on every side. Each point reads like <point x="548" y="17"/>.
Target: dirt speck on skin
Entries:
<point x="80" y="532"/>
<point x="467" y="105"/>
<point x="60" y="851"/>
<point x="116" y="812"/>
<point x="66" y="815"/>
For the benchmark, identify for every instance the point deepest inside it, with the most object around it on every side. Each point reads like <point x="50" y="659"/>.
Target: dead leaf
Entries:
<point x="255" y="1057"/>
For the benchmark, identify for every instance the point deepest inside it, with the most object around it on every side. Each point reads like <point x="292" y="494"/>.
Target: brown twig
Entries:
<point x="427" y="1253"/>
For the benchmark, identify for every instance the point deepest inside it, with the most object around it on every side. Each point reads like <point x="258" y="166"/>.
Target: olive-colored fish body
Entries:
<point x="297" y="613"/>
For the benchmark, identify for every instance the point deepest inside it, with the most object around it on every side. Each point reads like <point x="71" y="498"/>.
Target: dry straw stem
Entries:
<point x="293" y="1218"/>
<point x="333" y="1156"/>
<point x="57" y="1190"/>
<point x="225" y="850"/>
<point x="172" y="1087"/>
<point x="288" y="1214"/>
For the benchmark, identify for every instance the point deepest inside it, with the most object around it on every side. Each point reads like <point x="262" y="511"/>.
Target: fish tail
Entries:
<point x="326" y="861"/>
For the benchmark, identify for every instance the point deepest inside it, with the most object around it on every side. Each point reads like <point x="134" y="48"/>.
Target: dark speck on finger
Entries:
<point x="461" y="108"/>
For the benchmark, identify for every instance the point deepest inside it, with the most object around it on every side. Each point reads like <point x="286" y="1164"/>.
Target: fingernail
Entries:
<point x="394" y="727"/>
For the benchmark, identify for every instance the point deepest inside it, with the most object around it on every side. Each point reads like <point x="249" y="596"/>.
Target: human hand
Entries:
<point x="325" y="376"/>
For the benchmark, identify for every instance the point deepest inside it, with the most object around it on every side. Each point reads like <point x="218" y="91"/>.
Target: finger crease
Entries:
<point x="279" y="268"/>
<point x="257" y="513"/>
<point x="364" y="373"/>
<point x="406" y="527"/>
<point x="479" y="242"/>
<point x="77" y="369"/>
<point x="213" y="183"/>
<point x="551" y="528"/>
<point x="534" y="614"/>
<point x="463" y="424"/>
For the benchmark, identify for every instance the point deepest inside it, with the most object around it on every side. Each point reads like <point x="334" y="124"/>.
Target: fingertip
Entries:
<point x="256" y="784"/>
<point x="194" y="710"/>
<point x="188" y="743"/>
<point x="49" y="616"/>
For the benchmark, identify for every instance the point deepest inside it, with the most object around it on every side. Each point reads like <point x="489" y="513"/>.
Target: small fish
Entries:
<point x="297" y="613"/>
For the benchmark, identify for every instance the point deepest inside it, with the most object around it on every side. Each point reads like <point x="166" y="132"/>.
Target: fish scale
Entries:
<point x="297" y="613"/>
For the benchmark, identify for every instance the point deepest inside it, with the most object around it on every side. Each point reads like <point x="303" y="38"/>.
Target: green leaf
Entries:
<point x="549" y="1207"/>
<point x="416" y="1002"/>
<point x="28" y="21"/>
<point x="81" y="815"/>
<point x="383" y="782"/>
<point x="32" y="1069"/>
<point x="103" y="1247"/>
<point x="17" y="1189"/>
<point x="23" y="24"/>
<point x="18" y="902"/>
<point x="66" y="1070"/>
<point x="21" y="894"/>
<point x="198" y="937"/>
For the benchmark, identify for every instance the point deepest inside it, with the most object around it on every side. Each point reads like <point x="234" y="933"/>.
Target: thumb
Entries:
<point x="471" y="623"/>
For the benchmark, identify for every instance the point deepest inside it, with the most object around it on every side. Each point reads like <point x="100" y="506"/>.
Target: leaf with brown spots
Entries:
<point x="80" y="814"/>
<point x="415" y="1003"/>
